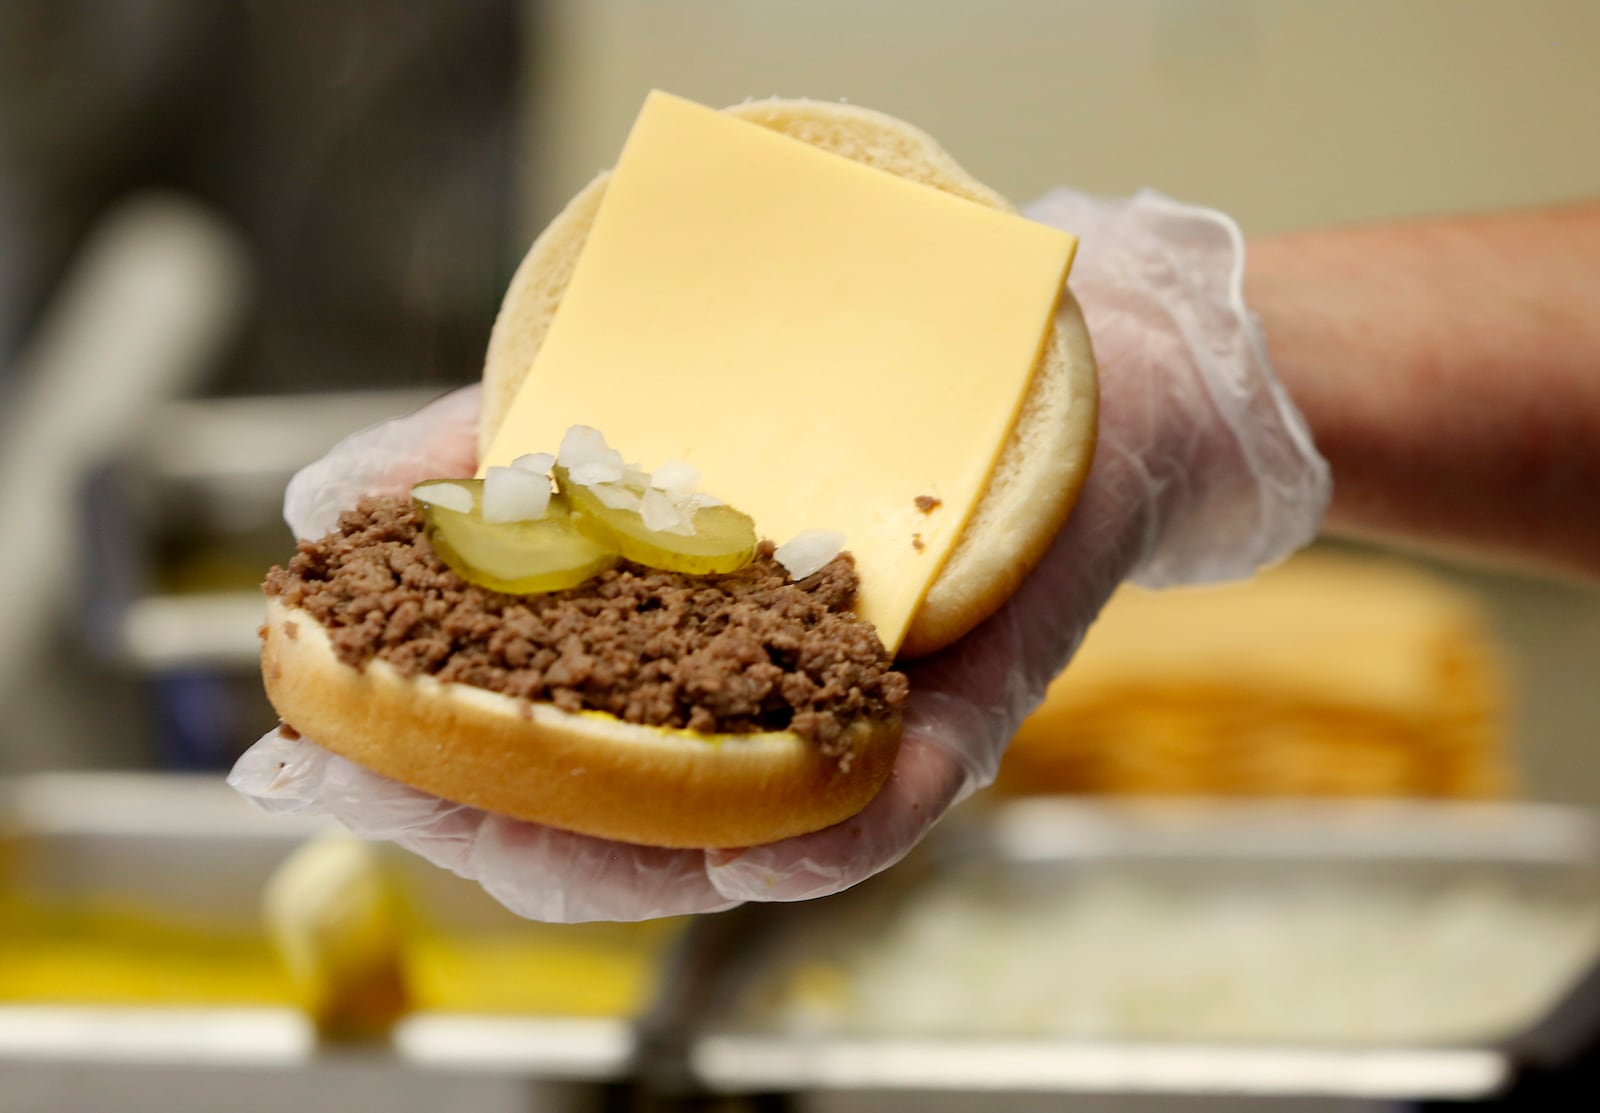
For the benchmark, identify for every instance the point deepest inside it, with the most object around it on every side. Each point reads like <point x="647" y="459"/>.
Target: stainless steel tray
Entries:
<point x="715" y="1028"/>
<point x="192" y="849"/>
<point x="191" y="846"/>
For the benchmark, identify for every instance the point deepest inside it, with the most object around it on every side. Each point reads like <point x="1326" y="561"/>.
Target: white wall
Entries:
<point x="1284" y="112"/>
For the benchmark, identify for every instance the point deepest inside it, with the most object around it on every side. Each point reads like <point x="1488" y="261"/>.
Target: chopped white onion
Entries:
<point x="582" y="444"/>
<point x="514" y="495"/>
<point x="451" y="496"/>
<point x="539" y="463"/>
<point x="659" y="514"/>
<point x="591" y="474"/>
<point x="676" y="477"/>
<point x="809" y="551"/>
<point x="635" y="477"/>
<point x="615" y="496"/>
<point x="587" y="459"/>
<point x="665" y="501"/>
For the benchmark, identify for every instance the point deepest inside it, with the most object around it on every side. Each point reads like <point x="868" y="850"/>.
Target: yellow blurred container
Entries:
<point x="132" y="890"/>
<point x="1331" y="675"/>
<point x="93" y="952"/>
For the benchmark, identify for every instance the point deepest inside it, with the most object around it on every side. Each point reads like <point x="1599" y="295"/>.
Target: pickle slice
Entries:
<point x="517" y="558"/>
<point x="723" y="540"/>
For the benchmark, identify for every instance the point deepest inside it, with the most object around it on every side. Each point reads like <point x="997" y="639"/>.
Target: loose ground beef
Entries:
<point x="744" y="652"/>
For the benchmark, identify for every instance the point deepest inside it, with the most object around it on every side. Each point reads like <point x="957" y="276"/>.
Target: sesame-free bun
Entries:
<point x="1046" y="458"/>
<point x="586" y="772"/>
<point x="594" y="774"/>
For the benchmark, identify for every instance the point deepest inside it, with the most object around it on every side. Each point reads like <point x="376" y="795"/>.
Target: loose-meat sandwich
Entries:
<point x="783" y="399"/>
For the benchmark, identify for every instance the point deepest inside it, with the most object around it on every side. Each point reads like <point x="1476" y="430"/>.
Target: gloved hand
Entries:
<point x="1203" y="471"/>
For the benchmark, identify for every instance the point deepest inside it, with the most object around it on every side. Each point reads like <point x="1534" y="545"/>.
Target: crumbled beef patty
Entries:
<point x="744" y="652"/>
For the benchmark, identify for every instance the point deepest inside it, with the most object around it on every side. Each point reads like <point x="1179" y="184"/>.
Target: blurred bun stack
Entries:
<point x="1333" y="675"/>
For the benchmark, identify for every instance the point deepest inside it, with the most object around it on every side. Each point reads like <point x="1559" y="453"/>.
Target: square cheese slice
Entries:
<point x="825" y="341"/>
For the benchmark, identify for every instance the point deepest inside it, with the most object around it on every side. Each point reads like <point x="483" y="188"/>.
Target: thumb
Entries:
<point x="438" y="441"/>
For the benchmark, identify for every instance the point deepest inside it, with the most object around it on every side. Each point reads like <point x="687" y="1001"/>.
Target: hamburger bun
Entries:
<point x="594" y="774"/>
<point x="587" y="772"/>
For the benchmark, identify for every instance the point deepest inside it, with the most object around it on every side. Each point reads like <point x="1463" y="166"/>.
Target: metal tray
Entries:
<point x="715" y="1029"/>
<point x="190" y="849"/>
<point x="190" y="846"/>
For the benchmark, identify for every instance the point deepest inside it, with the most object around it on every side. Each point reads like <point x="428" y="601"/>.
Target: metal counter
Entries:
<point x="722" y="1030"/>
<point x="192" y="848"/>
<point x="717" y="1031"/>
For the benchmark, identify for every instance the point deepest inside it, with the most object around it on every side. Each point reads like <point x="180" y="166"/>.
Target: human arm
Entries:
<point x="1450" y="372"/>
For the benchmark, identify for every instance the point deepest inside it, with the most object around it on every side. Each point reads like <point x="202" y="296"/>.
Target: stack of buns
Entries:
<point x="1332" y="675"/>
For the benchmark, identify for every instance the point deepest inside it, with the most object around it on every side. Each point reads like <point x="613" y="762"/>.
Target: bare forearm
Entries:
<point x="1450" y="371"/>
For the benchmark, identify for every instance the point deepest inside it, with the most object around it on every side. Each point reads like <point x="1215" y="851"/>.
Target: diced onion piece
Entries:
<point x="701" y="501"/>
<point x="615" y="496"/>
<point x="676" y="477"/>
<point x="582" y="444"/>
<point x="635" y="477"/>
<point x="656" y="510"/>
<point x="809" y="551"/>
<point x="451" y="496"/>
<point x="514" y="495"/>
<point x="591" y="474"/>
<point x="539" y="463"/>
<point x="683" y="524"/>
<point x="661" y="515"/>
<point x="587" y="459"/>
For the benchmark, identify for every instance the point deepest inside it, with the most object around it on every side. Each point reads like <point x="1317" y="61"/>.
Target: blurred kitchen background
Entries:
<point x="231" y="232"/>
<point x="337" y="192"/>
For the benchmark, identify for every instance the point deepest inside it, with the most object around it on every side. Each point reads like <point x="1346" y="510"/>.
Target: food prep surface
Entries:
<point x="1357" y="951"/>
<point x="1397" y="951"/>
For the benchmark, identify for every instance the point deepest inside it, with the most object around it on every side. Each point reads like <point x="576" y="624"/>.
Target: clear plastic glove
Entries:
<point x="1203" y="471"/>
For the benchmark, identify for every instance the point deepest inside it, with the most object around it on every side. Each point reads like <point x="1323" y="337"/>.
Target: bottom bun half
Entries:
<point x="587" y="772"/>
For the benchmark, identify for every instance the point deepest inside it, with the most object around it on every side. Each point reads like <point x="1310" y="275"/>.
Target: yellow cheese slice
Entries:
<point x="825" y="341"/>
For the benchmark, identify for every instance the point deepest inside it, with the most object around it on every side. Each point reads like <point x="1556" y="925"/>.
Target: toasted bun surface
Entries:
<point x="1045" y="460"/>
<point x="589" y="772"/>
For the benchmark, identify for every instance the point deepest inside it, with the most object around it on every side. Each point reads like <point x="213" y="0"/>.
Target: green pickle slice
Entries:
<point x="724" y="540"/>
<point x="517" y="558"/>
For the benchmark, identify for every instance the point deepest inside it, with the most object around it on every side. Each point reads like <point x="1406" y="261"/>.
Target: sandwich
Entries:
<point x="783" y="400"/>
